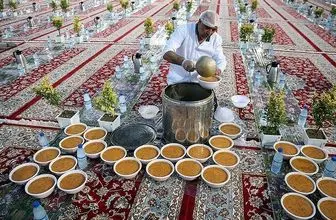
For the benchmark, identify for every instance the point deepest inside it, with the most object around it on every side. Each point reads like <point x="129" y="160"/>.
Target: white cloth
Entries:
<point x="184" y="42"/>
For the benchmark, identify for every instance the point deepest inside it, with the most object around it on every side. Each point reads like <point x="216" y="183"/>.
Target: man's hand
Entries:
<point x="188" y="65"/>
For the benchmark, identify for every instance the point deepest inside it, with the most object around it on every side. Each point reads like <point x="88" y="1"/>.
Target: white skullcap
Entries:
<point x="209" y="18"/>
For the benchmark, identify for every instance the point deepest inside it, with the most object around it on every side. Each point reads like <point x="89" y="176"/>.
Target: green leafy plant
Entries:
<point x="109" y="7"/>
<point x="268" y="35"/>
<point x="124" y="4"/>
<point x="64" y="4"/>
<point x="275" y="112"/>
<point x="77" y="25"/>
<point x="107" y="101"/>
<point x="333" y="11"/>
<point x="13" y="4"/>
<point x="149" y="26"/>
<point x="246" y="31"/>
<point x="318" y="12"/>
<point x="169" y="27"/>
<point x="53" y="5"/>
<point x="176" y="5"/>
<point x="57" y="22"/>
<point x="242" y="8"/>
<point x="254" y="5"/>
<point x="1" y="5"/>
<point x="48" y="92"/>
<point x="324" y="108"/>
<point x="189" y="6"/>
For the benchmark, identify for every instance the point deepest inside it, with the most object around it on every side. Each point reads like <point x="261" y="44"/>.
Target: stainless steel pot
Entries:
<point x="187" y="113"/>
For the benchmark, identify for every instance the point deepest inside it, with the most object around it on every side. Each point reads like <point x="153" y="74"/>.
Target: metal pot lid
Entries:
<point x="132" y="136"/>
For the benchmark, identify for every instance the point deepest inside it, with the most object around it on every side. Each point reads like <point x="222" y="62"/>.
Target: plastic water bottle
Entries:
<point x="43" y="140"/>
<point x="303" y="116"/>
<point x="282" y="82"/>
<point x="49" y="43"/>
<point x="39" y="212"/>
<point x="277" y="162"/>
<point x="36" y="60"/>
<point x="87" y="100"/>
<point x="21" y="70"/>
<point x="122" y="104"/>
<point x="330" y="168"/>
<point x="81" y="157"/>
<point x="257" y="80"/>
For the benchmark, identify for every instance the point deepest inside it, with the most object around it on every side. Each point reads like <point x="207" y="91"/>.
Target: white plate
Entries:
<point x="224" y="114"/>
<point x="148" y="111"/>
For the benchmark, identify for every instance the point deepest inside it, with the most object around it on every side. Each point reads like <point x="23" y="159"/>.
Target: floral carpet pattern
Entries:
<point x="325" y="35"/>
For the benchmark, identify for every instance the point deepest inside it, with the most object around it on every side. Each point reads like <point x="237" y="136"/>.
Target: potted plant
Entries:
<point x="169" y="27"/>
<point x="246" y="31"/>
<point x="176" y="5"/>
<point x="318" y="12"/>
<point x="188" y="9"/>
<point x="53" y="97"/>
<point x="275" y="116"/>
<point x="109" y="7"/>
<point x="333" y="12"/>
<point x="149" y="27"/>
<point x="254" y="5"/>
<point x="324" y="112"/>
<point x="13" y="6"/>
<point x="124" y="4"/>
<point x="1" y="8"/>
<point x="57" y="22"/>
<point x="64" y="4"/>
<point x="77" y="28"/>
<point x="53" y="5"/>
<point x="107" y="102"/>
<point x="242" y="9"/>
<point x="267" y="37"/>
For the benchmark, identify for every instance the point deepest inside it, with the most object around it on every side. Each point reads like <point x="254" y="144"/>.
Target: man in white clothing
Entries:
<point x="191" y="41"/>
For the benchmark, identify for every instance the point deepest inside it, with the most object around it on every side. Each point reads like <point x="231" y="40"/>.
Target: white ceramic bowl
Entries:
<point x="304" y="158"/>
<point x="318" y="161"/>
<point x="319" y="203"/>
<point x="61" y="157"/>
<point x="95" y="155"/>
<point x="146" y="146"/>
<point x="43" y="194"/>
<point x="173" y="159"/>
<point x="44" y="149"/>
<point x="75" y="190"/>
<point x="70" y="150"/>
<point x="319" y="189"/>
<point x="111" y="162"/>
<point x="286" y="156"/>
<point x="227" y="151"/>
<point x="219" y="148"/>
<point x="232" y="136"/>
<point x="240" y="101"/>
<point x="208" y="85"/>
<point x="148" y="111"/>
<point x="20" y="166"/>
<point x="202" y="160"/>
<point x="216" y="185"/>
<point x="129" y="176"/>
<point x="158" y="178"/>
<point x="94" y="129"/>
<point x="188" y="178"/>
<point x="295" y="216"/>
<point x="80" y="133"/>
<point x="301" y="174"/>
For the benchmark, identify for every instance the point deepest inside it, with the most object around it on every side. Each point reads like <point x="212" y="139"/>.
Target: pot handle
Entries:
<point x="267" y="70"/>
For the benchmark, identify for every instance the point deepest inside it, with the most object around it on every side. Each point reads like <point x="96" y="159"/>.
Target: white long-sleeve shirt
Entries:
<point x="184" y="42"/>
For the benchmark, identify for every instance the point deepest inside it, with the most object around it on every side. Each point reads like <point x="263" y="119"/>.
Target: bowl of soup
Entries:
<point x="72" y="181"/>
<point x="188" y="169"/>
<point x="70" y="143"/>
<point x="93" y="149"/>
<point x="327" y="206"/>
<point x="327" y="186"/>
<point x="226" y="158"/>
<point x="160" y="169"/>
<point x="147" y="153"/>
<point x="300" y="183"/>
<point x="75" y="129"/>
<point x="304" y="165"/>
<point x="220" y="142"/>
<point x="41" y="186"/>
<point x="112" y="154"/>
<point x="209" y="82"/>
<point x="63" y="164"/>
<point x="231" y="130"/>
<point x="173" y="152"/>
<point x="199" y="152"/>
<point x="298" y="206"/>
<point x="95" y="134"/>
<point x="215" y="176"/>
<point x="23" y="173"/>
<point x="317" y="154"/>
<point x="127" y="167"/>
<point x="46" y="155"/>
<point x="289" y="149"/>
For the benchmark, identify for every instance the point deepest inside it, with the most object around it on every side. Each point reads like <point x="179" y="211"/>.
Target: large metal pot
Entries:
<point x="187" y="113"/>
